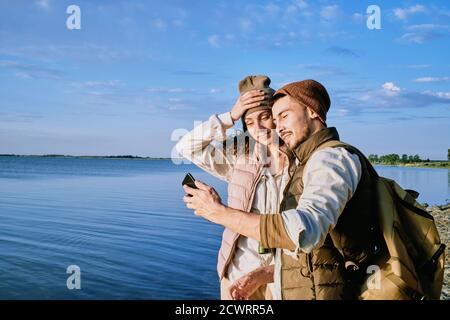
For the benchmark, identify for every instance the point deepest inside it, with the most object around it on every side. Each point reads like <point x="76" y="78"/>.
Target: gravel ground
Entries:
<point x="441" y="216"/>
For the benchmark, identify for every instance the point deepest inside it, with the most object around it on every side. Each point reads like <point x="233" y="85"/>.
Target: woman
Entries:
<point x="256" y="170"/>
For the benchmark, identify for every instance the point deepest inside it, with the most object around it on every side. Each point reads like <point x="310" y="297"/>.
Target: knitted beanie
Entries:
<point x="308" y="93"/>
<point x="259" y="82"/>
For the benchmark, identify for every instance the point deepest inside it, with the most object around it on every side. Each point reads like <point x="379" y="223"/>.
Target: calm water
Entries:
<point x="124" y="224"/>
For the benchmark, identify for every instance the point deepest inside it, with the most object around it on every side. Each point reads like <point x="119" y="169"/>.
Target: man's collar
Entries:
<point x="304" y="150"/>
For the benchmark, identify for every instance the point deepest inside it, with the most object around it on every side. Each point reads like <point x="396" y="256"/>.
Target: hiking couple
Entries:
<point x="298" y="222"/>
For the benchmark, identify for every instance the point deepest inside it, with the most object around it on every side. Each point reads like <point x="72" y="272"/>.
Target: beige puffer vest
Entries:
<point x="241" y="190"/>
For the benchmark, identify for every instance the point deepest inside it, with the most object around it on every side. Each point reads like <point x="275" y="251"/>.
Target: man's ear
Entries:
<point x="312" y="114"/>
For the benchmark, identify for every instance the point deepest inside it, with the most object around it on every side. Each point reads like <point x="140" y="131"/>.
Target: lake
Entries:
<point x="123" y="223"/>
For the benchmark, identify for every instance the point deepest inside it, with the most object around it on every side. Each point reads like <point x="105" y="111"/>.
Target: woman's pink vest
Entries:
<point x="241" y="190"/>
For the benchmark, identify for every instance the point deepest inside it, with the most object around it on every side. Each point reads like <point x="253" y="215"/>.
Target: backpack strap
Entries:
<point x="365" y="166"/>
<point x="365" y="163"/>
<point x="404" y="287"/>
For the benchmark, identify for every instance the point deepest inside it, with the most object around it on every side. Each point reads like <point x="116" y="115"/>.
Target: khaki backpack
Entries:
<point x="413" y="266"/>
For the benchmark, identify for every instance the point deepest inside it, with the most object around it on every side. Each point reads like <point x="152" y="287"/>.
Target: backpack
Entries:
<point x="415" y="265"/>
<point x="412" y="267"/>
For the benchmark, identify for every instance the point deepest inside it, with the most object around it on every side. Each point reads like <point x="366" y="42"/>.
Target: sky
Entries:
<point x="139" y="74"/>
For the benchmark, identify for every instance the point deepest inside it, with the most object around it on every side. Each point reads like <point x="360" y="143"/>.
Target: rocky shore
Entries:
<point x="441" y="216"/>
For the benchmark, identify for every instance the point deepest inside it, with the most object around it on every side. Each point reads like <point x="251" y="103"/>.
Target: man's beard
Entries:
<point x="305" y="133"/>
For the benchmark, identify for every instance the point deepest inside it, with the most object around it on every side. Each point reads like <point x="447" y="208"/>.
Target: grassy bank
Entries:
<point x="430" y="164"/>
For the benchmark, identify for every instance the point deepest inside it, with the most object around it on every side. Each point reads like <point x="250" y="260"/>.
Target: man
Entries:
<point x="324" y="231"/>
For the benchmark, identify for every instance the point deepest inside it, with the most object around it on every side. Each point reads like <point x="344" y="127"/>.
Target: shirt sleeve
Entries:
<point x="330" y="179"/>
<point x="197" y="146"/>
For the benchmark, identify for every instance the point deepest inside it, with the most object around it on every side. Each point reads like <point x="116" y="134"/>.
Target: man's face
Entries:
<point x="293" y="121"/>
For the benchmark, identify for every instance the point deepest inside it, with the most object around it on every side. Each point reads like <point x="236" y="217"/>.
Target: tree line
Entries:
<point x="395" y="158"/>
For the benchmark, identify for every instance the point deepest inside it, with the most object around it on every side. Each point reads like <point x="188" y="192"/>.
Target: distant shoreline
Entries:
<point x="430" y="164"/>
<point x="425" y="164"/>
<point x="130" y="157"/>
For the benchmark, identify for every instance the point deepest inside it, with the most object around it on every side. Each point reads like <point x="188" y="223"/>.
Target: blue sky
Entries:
<point x="138" y="70"/>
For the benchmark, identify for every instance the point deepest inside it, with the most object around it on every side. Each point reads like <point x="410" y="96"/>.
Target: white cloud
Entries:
<point x="390" y="88"/>
<point x="159" y="24"/>
<point x="358" y="18"/>
<point x="214" y="40"/>
<point x="314" y="70"/>
<point x="215" y="90"/>
<point x="329" y="13"/>
<point x="272" y="8"/>
<point x="28" y="71"/>
<point x="170" y="90"/>
<point x="426" y="26"/>
<point x="403" y="14"/>
<point x="392" y="97"/>
<point x="61" y="52"/>
<point x="245" y="24"/>
<point x="291" y="9"/>
<point x="98" y="84"/>
<point x="412" y="38"/>
<point x="342" y="112"/>
<point x="299" y="5"/>
<point x="332" y="35"/>
<point x="45" y="4"/>
<point x="421" y="33"/>
<point x="178" y="23"/>
<point x="418" y="66"/>
<point x="441" y="95"/>
<point x="382" y="100"/>
<point x="432" y="79"/>
<point x="229" y="37"/>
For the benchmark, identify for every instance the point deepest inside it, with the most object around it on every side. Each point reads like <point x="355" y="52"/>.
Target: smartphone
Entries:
<point x="189" y="181"/>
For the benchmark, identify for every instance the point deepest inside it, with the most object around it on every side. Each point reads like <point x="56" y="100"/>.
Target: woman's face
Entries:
<point x="260" y="126"/>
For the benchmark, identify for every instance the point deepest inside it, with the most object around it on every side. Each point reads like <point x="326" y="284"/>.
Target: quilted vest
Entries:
<point x="241" y="190"/>
<point x="337" y="268"/>
<point x="244" y="178"/>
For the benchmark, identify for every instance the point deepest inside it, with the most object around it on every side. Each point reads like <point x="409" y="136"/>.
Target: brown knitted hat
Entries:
<point x="308" y="93"/>
<point x="259" y="82"/>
